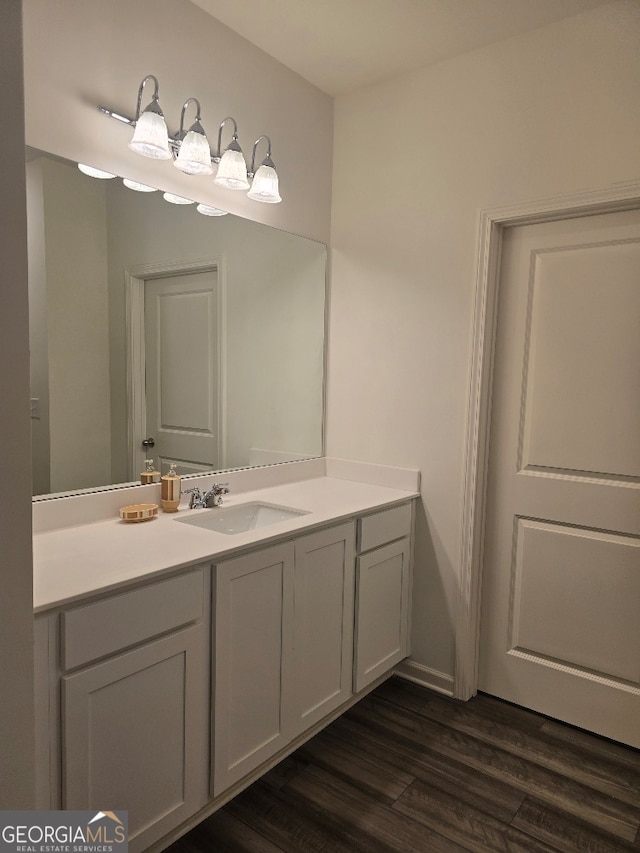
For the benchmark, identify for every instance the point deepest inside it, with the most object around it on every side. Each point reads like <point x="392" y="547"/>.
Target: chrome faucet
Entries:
<point x="210" y="498"/>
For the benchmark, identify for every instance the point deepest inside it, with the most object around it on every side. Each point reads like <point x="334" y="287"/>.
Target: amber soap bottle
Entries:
<point x="170" y="490"/>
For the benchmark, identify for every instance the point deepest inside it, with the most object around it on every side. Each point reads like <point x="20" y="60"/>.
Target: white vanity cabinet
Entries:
<point x="165" y="698"/>
<point x="383" y="578"/>
<point x="283" y="646"/>
<point x="134" y="692"/>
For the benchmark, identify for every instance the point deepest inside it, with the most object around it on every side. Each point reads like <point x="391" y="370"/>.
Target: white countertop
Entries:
<point x="77" y="562"/>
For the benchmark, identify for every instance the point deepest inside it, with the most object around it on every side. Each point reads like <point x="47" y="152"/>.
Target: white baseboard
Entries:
<point x="425" y="676"/>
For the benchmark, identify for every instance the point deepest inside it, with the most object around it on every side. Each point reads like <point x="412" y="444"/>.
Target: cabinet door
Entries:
<point x="136" y="735"/>
<point x="382" y="611"/>
<point x="323" y="623"/>
<point x="253" y="646"/>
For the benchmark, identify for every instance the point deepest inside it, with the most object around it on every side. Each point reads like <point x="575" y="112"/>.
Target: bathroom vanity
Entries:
<point x="176" y="664"/>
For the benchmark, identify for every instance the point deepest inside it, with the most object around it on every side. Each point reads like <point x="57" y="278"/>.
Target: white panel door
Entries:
<point x="181" y="355"/>
<point x="560" y="624"/>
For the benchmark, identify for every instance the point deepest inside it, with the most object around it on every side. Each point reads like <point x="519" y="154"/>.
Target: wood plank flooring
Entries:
<point x="410" y="770"/>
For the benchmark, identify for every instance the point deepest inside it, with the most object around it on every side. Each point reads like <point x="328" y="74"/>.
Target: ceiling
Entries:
<point x="341" y="45"/>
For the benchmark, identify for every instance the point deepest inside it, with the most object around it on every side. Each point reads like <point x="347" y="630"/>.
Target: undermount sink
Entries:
<point x="239" y="519"/>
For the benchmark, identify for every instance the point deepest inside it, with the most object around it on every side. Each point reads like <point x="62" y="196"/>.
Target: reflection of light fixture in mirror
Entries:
<point x="150" y="137"/>
<point x="194" y="155"/>
<point x="177" y="199"/>
<point x="207" y="210"/>
<point x="232" y="167"/>
<point x="138" y="187"/>
<point x="95" y="173"/>
<point x="264" y="186"/>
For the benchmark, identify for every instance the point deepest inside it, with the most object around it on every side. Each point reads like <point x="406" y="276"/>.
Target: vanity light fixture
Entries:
<point x="232" y="167"/>
<point x="207" y="210"/>
<point x="190" y="150"/>
<point x="138" y="187"/>
<point x="95" y="173"/>
<point x="264" y="186"/>
<point x="150" y="137"/>
<point x="177" y="199"/>
<point x="194" y="154"/>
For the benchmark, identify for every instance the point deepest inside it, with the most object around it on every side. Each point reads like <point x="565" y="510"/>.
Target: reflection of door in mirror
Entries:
<point x="181" y="330"/>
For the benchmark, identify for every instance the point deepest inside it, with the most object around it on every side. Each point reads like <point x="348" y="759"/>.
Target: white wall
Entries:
<point x="552" y="112"/>
<point x="81" y="53"/>
<point x="17" y="757"/>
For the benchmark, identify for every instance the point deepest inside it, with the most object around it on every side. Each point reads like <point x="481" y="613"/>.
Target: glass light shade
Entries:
<point x="177" y="199"/>
<point x="207" y="210"/>
<point x="95" y="173"/>
<point x="265" y="186"/>
<point x="232" y="171"/>
<point x="138" y="187"/>
<point x="150" y="137"/>
<point x="194" y="157"/>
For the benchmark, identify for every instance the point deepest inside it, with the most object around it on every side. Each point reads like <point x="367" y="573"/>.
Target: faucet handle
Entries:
<point x="214" y="496"/>
<point x="196" y="497"/>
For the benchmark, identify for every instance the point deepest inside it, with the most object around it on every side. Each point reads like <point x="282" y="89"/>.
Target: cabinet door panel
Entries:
<point x="382" y="603"/>
<point x="254" y="603"/>
<point x="135" y="735"/>
<point x="323" y="623"/>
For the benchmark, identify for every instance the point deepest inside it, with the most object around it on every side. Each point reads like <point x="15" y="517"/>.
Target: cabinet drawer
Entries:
<point x="105" y="627"/>
<point x="385" y="526"/>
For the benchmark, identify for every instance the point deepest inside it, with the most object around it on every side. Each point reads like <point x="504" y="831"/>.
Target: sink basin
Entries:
<point x="239" y="519"/>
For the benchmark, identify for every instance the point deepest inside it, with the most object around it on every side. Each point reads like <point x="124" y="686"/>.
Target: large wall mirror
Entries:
<point x="151" y="322"/>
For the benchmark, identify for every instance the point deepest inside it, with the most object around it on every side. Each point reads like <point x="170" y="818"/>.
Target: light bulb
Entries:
<point x="138" y="187"/>
<point x="232" y="171"/>
<point x="265" y="185"/>
<point x="207" y="210"/>
<point x="95" y="173"/>
<point x="194" y="156"/>
<point x="150" y="137"/>
<point x="177" y="199"/>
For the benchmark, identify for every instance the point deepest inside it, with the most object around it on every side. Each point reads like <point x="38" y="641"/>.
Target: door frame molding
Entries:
<point x="491" y="227"/>
<point x="134" y="280"/>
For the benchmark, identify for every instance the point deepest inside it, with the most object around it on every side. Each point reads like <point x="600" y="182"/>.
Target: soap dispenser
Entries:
<point x="150" y="475"/>
<point x="170" y="492"/>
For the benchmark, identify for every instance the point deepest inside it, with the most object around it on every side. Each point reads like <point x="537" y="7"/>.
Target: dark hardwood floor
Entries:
<point x="410" y="770"/>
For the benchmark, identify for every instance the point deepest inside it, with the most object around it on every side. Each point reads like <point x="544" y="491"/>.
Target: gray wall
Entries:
<point x="16" y="625"/>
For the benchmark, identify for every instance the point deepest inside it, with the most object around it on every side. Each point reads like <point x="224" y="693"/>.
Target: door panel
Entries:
<point x="181" y="353"/>
<point x="323" y="623"/>
<point x="583" y="339"/>
<point x="382" y="602"/>
<point x="135" y="733"/>
<point x="589" y="573"/>
<point x="253" y="651"/>
<point x="561" y="562"/>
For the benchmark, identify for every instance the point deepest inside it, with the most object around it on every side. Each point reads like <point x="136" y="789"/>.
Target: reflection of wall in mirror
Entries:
<point x="71" y="442"/>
